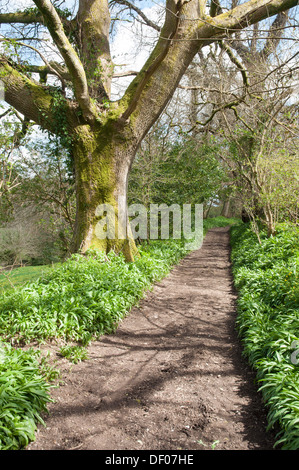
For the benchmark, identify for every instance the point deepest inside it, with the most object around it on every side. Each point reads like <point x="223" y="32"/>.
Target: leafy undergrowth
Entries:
<point x="77" y="301"/>
<point x="266" y="277"/>
<point x="19" y="276"/>
<point x="86" y="296"/>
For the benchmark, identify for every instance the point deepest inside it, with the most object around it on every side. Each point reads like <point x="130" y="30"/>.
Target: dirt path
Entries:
<point x="172" y="377"/>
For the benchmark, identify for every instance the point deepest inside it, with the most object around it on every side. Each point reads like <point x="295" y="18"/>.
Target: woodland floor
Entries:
<point x="172" y="376"/>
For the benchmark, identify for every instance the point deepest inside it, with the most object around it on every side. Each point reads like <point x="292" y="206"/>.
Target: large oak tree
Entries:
<point x="104" y="135"/>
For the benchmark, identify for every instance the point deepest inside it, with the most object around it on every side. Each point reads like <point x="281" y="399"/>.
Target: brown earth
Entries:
<point x="172" y="377"/>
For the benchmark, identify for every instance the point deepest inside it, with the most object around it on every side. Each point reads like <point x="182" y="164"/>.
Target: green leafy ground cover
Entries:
<point x="266" y="277"/>
<point x="87" y="295"/>
<point x="78" y="300"/>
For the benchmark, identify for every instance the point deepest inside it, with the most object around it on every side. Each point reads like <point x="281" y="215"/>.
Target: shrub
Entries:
<point x="77" y="300"/>
<point x="24" y="394"/>
<point x="74" y="354"/>
<point x="266" y="276"/>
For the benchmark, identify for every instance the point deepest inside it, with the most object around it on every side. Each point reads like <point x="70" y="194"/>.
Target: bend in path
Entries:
<point x="171" y="377"/>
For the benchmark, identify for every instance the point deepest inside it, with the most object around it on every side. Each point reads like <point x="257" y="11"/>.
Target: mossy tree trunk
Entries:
<point x="105" y="135"/>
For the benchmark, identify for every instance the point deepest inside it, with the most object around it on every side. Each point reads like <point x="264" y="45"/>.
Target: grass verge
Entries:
<point x="87" y="296"/>
<point x="266" y="277"/>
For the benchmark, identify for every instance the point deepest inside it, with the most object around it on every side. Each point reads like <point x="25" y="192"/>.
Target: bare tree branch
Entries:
<point x="182" y="36"/>
<point x="215" y="8"/>
<point x="31" y="99"/>
<point x="128" y="73"/>
<point x="168" y="32"/>
<point x="42" y="70"/>
<point x="236" y="62"/>
<point x="21" y="17"/>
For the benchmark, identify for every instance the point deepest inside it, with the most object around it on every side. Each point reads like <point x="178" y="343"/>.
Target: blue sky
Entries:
<point x="128" y="53"/>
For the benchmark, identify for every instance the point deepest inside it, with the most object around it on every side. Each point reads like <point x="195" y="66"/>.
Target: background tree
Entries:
<point x="47" y="184"/>
<point x="181" y="171"/>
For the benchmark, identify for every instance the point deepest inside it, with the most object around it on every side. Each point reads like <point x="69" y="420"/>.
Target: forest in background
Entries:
<point x="228" y="139"/>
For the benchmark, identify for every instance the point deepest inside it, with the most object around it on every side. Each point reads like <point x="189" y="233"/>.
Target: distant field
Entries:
<point x="19" y="276"/>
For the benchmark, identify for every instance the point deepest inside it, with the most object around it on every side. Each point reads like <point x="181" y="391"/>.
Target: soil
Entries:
<point x="172" y="376"/>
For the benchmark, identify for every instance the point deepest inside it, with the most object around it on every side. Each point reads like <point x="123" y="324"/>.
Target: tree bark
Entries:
<point x="102" y="161"/>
